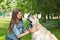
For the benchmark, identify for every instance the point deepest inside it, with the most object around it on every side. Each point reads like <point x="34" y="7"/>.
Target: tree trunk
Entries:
<point x="48" y="16"/>
<point x="44" y="18"/>
<point x="51" y="16"/>
<point x="37" y="16"/>
<point x="58" y="17"/>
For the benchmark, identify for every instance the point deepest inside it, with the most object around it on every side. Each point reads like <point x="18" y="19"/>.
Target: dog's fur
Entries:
<point x="39" y="32"/>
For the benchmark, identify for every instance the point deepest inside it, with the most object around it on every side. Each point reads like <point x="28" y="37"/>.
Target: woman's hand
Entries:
<point x="26" y="31"/>
<point x="23" y="34"/>
<point x="32" y="30"/>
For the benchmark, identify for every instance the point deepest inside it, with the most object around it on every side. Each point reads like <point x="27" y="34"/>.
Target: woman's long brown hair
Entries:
<point x="14" y="20"/>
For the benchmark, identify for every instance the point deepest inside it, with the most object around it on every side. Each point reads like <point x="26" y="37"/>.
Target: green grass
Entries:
<point x="3" y="28"/>
<point x="51" y="26"/>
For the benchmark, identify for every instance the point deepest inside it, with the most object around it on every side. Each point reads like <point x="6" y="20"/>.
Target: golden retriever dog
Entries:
<point x="39" y="32"/>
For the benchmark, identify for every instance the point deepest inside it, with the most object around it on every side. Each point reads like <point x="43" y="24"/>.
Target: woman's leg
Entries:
<point x="7" y="38"/>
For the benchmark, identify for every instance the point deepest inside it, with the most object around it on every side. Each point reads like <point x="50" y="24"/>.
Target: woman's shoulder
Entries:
<point x="15" y="26"/>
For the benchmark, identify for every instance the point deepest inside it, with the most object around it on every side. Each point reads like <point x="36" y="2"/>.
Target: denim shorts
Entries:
<point x="7" y="38"/>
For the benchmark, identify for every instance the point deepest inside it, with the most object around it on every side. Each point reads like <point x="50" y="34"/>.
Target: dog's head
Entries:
<point x="33" y="20"/>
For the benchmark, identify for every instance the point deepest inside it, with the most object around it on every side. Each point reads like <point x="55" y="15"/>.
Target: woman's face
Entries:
<point x="19" y="15"/>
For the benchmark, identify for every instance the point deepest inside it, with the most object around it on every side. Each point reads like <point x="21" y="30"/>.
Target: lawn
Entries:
<point x="49" y="25"/>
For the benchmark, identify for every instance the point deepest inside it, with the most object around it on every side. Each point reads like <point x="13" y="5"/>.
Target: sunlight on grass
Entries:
<point x="2" y="37"/>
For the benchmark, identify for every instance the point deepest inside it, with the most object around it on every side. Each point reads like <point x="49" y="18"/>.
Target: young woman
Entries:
<point x="16" y="28"/>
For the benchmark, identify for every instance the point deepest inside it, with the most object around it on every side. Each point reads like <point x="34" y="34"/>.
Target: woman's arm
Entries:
<point x="32" y="30"/>
<point x="17" y="33"/>
<point x="23" y="34"/>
